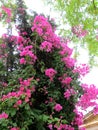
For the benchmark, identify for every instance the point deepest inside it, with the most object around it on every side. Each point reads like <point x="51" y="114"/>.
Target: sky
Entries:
<point x="37" y="5"/>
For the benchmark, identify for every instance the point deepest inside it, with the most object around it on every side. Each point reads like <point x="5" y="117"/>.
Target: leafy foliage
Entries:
<point x="75" y="13"/>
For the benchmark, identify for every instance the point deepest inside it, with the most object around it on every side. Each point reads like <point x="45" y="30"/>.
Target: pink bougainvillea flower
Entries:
<point x="69" y="62"/>
<point x="20" y="40"/>
<point x="22" y="61"/>
<point x="65" y="50"/>
<point x="15" y="128"/>
<point x="47" y="46"/>
<point x="19" y="102"/>
<point x="7" y="11"/>
<point x="82" y="69"/>
<point x="67" y="94"/>
<point x="58" y="107"/>
<point x="3" y="115"/>
<point x="50" y="126"/>
<point x="50" y="73"/>
<point x="66" y="80"/>
<point x="78" y="31"/>
<point x="88" y="99"/>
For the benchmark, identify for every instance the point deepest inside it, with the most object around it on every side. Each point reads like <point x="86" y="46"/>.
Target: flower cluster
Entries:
<point x="15" y="128"/>
<point x="69" y="62"/>
<point x="78" y="31"/>
<point x="88" y="99"/>
<point x="42" y="26"/>
<point x="68" y="93"/>
<point x="3" y="115"/>
<point x="58" y="107"/>
<point x="82" y="69"/>
<point x="50" y="73"/>
<point x="8" y="12"/>
<point x="47" y="46"/>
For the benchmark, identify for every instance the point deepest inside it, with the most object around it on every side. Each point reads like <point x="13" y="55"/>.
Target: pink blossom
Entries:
<point x="69" y="62"/>
<point x="50" y="126"/>
<point x="20" y="40"/>
<point x="22" y="61"/>
<point x="64" y="127"/>
<point x="15" y="128"/>
<point x="88" y="99"/>
<point x="82" y="69"/>
<point x="27" y="99"/>
<point x="28" y="93"/>
<point x="3" y="115"/>
<point x="3" y="45"/>
<point x="19" y="102"/>
<point x="27" y="51"/>
<point x="78" y="120"/>
<point x="39" y="31"/>
<point x="67" y="80"/>
<point x="78" y="31"/>
<point x="58" y="107"/>
<point x="7" y="10"/>
<point x="4" y="84"/>
<point x="68" y="93"/>
<point x="25" y="83"/>
<point x="47" y="46"/>
<point x="50" y="73"/>
<point x="42" y="27"/>
<point x="65" y="50"/>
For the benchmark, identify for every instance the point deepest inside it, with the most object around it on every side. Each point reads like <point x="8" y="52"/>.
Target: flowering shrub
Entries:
<point x="39" y="81"/>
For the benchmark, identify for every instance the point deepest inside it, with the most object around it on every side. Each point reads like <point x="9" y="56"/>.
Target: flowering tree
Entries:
<point x="40" y="87"/>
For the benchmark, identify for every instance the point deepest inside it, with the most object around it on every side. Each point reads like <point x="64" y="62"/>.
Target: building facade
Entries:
<point x="91" y="121"/>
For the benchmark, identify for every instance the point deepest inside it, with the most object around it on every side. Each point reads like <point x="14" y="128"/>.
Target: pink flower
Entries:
<point x="65" y="50"/>
<point x="88" y="99"/>
<point x="22" y="61"/>
<point x="39" y="31"/>
<point x="20" y="39"/>
<point x="50" y="126"/>
<point x="3" y="115"/>
<point x="68" y="93"/>
<point x="69" y="62"/>
<point x="62" y="127"/>
<point x="50" y="73"/>
<point x="19" y="102"/>
<point x="7" y="10"/>
<point x="82" y="69"/>
<point x="42" y="27"/>
<point x="78" y="120"/>
<point x="78" y="31"/>
<point x="15" y="128"/>
<point x="58" y="107"/>
<point x="67" y="80"/>
<point x="47" y="46"/>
